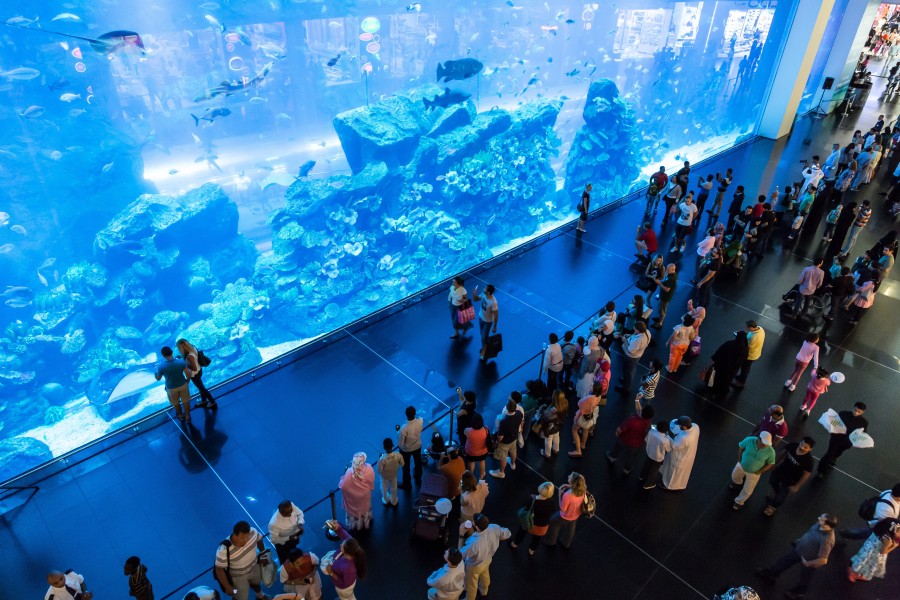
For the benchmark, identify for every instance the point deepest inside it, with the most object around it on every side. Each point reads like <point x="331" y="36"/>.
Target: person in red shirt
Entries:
<point x="759" y="207"/>
<point x="646" y="241"/>
<point x="630" y="437"/>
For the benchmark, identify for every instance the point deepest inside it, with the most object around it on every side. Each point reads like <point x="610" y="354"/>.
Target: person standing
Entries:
<point x="553" y="362"/>
<point x="886" y="507"/>
<point x="774" y="423"/>
<point x="841" y="227"/>
<point x="448" y="582"/>
<point x="755" y="457"/>
<point x="357" y="485"/>
<point x="66" y="586"/>
<point x="871" y="560"/>
<point x="236" y="562"/>
<point x="191" y="356"/>
<point x="542" y="508"/>
<point x="838" y="443"/>
<point x="809" y="352"/>
<point x="677" y="466"/>
<point x="818" y="385"/>
<point x="285" y="528"/>
<point x="507" y="437"/>
<point x="685" y="212"/>
<point x="724" y="365"/>
<point x="299" y="575"/>
<point x="630" y="437"/>
<point x="551" y="419"/>
<point x="706" y="275"/>
<point x="756" y="337"/>
<point x="350" y="563"/>
<point x="457" y="297"/>
<point x="479" y="552"/>
<point x="659" y="444"/>
<point x="585" y="420"/>
<point x="810" y="550"/>
<point x="584" y="207"/>
<point x="679" y="341"/>
<point x="859" y="223"/>
<point x="388" y="468"/>
<point x="790" y="474"/>
<point x="139" y="587"/>
<point x="865" y="297"/>
<point x="724" y="181"/>
<point x="633" y="347"/>
<point x="176" y="372"/>
<point x="667" y="287"/>
<point x="488" y="316"/>
<point x="476" y="445"/>
<point x="676" y="191"/>
<point x="471" y="502"/>
<point x="811" y="279"/>
<point x="647" y="390"/>
<point x="571" y="505"/>
<point x="409" y="439"/>
<point x="841" y="287"/>
<point x="705" y="188"/>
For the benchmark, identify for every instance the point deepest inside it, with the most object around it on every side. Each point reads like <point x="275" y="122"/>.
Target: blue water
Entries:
<point x="249" y="175"/>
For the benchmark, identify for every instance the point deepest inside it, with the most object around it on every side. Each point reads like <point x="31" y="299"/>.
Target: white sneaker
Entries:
<point x="792" y="387"/>
<point x="496" y="473"/>
<point x="510" y="462"/>
<point x="787" y="383"/>
<point x="673" y="249"/>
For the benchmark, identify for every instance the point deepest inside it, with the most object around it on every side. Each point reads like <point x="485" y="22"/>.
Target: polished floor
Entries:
<point x="169" y="494"/>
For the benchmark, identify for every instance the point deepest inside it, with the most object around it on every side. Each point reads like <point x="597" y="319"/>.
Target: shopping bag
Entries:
<point x="494" y="346"/>
<point x="267" y="568"/>
<point x="861" y="439"/>
<point x="694" y="348"/>
<point x="832" y="422"/>
<point x="465" y="313"/>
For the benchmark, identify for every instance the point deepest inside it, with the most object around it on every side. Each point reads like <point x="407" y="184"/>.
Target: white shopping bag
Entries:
<point x="861" y="439"/>
<point x="832" y="422"/>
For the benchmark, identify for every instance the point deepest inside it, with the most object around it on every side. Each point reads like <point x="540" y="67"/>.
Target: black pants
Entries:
<point x="779" y="489"/>
<point x="650" y="471"/>
<point x="553" y="379"/>
<point x="837" y="445"/>
<point x="282" y="550"/>
<point x="744" y="370"/>
<point x="788" y="560"/>
<point x="701" y="294"/>
<point x="532" y="544"/>
<point x="412" y="457"/>
<point x="205" y="396"/>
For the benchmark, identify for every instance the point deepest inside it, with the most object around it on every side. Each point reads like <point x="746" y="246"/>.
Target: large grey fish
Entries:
<point x="446" y="99"/>
<point x="459" y="69"/>
<point x="211" y="115"/>
<point x="20" y="73"/>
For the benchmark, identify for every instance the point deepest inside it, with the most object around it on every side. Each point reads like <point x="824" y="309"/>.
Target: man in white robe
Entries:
<point x="812" y="174"/>
<point x="676" y="469"/>
<point x="831" y="163"/>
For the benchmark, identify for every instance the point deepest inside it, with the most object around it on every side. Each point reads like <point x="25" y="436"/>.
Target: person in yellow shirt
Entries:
<point x="756" y="337"/>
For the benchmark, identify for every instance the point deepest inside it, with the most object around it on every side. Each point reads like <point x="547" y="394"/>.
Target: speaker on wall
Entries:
<point x="829" y="83"/>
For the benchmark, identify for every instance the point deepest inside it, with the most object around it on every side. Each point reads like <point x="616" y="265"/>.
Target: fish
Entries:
<point x="211" y="115"/>
<point x="56" y="155"/>
<point x="42" y="279"/>
<point x="67" y="17"/>
<point x="107" y="167"/>
<point x="283" y="117"/>
<point x="417" y="7"/>
<point x="446" y="99"/>
<point x="573" y="73"/>
<point x="6" y="248"/>
<point x="18" y="291"/>
<point x="77" y="112"/>
<point x="271" y="50"/>
<point x="173" y="171"/>
<point x="17" y="302"/>
<point x="549" y="27"/>
<point x="4" y="219"/>
<point x="59" y="84"/>
<point x="232" y="87"/>
<point x="18" y="229"/>
<point x="21" y="21"/>
<point x="463" y="68"/>
<point x="32" y="112"/>
<point x="69" y="97"/>
<point x="258" y="100"/>
<point x="20" y="73"/>
<point x="209" y="6"/>
<point x="333" y="61"/>
<point x="47" y="263"/>
<point x="305" y="168"/>
<point x="569" y="21"/>
<point x="238" y="36"/>
<point x="210" y="160"/>
<point x="106" y="43"/>
<point x="282" y="179"/>
<point x="215" y="23"/>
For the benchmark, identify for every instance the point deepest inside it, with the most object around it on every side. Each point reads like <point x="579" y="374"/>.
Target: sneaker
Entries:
<point x="792" y="387"/>
<point x="673" y="249"/>
<point x="650" y="486"/>
<point x="806" y="414"/>
<point x="530" y="552"/>
<point x="513" y="545"/>
<point x="574" y="454"/>
<point x="542" y="453"/>
<point x="497" y="473"/>
<point x="787" y="383"/>
<point x="509" y="461"/>
<point x="769" y="511"/>
<point x="610" y="458"/>
<point x="737" y="506"/>
<point x="682" y="248"/>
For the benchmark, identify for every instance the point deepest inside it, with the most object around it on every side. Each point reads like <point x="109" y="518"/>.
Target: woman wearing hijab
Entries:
<point x="356" y="486"/>
<point x="725" y="363"/>
<point x="593" y="354"/>
<point x="848" y="215"/>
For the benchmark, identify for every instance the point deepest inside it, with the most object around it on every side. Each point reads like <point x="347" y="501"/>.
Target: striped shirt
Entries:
<point x="243" y="559"/>
<point x="138" y="584"/>
<point x="648" y="385"/>
<point x="862" y="217"/>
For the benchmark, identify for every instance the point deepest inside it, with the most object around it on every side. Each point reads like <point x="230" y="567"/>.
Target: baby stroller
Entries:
<point x="432" y="508"/>
<point x="733" y="256"/>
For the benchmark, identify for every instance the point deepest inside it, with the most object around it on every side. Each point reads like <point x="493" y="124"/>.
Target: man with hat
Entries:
<point x="756" y="337"/>
<point x="755" y="457"/>
<point x="679" y="462"/>
<point x="774" y="423"/>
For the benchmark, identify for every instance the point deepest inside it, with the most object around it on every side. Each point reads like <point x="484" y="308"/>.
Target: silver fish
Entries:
<point x="69" y="97"/>
<point x="20" y="73"/>
<point x="18" y="229"/>
<point x="32" y="112"/>
<point x="6" y="248"/>
<point x="67" y="17"/>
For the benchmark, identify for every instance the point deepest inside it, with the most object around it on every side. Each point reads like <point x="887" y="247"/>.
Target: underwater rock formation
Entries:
<point x="606" y="150"/>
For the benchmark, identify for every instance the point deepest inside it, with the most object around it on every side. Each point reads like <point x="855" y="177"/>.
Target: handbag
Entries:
<point x="465" y="313"/>
<point x="202" y="359"/>
<point x="526" y="516"/>
<point x="694" y="347"/>
<point x="267" y="570"/>
<point x="645" y="283"/>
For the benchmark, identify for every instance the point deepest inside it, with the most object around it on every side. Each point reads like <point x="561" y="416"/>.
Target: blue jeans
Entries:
<point x="851" y="239"/>
<point x="484" y="327"/>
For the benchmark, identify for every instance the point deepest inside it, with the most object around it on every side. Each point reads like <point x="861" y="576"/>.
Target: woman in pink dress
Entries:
<point x="356" y="486"/>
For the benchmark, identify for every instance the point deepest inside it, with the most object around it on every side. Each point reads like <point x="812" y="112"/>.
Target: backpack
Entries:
<point x="569" y="351"/>
<point x="227" y="543"/>
<point x="490" y="441"/>
<point x="868" y="506"/>
<point x="652" y="189"/>
<point x="202" y="359"/>
<point x="588" y="505"/>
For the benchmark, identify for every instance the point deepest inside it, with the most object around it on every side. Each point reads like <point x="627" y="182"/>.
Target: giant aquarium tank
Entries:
<point x="252" y="174"/>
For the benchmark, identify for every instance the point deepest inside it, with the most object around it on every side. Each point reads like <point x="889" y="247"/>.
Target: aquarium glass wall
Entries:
<point x="252" y="174"/>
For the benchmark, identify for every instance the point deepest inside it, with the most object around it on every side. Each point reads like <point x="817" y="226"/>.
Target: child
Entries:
<point x="388" y="467"/>
<point x="795" y="228"/>
<point x="830" y="222"/>
<point x="817" y="386"/>
<point x="834" y="271"/>
<point x="138" y="584"/>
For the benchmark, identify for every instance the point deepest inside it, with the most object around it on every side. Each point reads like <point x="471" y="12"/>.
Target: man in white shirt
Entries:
<point x="448" y="582"/>
<point x="553" y="362"/>
<point x="685" y="212"/>
<point x="66" y="586"/>
<point x="887" y="507"/>
<point x="811" y="279"/>
<point x="479" y="552"/>
<point x="410" y="442"/>
<point x="658" y="445"/>
<point x="285" y="528"/>
<point x="812" y="174"/>
<point x="633" y="346"/>
<point x="830" y="168"/>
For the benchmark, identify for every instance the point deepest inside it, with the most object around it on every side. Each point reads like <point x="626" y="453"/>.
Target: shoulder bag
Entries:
<point x="526" y="516"/>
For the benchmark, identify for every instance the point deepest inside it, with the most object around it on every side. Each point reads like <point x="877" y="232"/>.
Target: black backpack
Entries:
<point x="868" y="506"/>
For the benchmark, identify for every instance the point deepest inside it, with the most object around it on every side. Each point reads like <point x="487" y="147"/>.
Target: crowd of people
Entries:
<point x="576" y="383"/>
